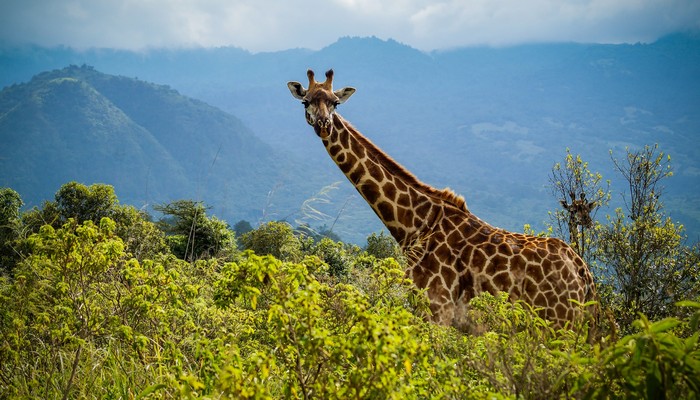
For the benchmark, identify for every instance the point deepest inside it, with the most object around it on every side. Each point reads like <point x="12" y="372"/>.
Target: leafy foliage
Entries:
<point x="76" y="201"/>
<point x="639" y="257"/>
<point x="85" y="203"/>
<point x="648" y="266"/>
<point x="241" y="227"/>
<point x="652" y="363"/>
<point x="273" y="238"/>
<point x="192" y="235"/>
<point x="573" y="179"/>
<point x="10" y="224"/>
<point x="383" y="246"/>
<point x="142" y="238"/>
<point x="105" y="310"/>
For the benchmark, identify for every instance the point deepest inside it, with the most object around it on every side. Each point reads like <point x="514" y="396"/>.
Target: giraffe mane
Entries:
<point x="395" y="169"/>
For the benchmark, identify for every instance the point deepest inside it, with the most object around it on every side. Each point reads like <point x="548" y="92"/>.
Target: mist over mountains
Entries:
<point x="487" y="122"/>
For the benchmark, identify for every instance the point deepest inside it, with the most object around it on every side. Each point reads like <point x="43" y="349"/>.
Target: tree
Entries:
<point x="85" y="203"/>
<point x="273" y="238"/>
<point x="242" y="227"/>
<point x="317" y="234"/>
<point x="73" y="200"/>
<point x="383" y="246"/>
<point x="649" y="268"/>
<point x="10" y="204"/>
<point x="324" y="231"/>
<point x="92" y="203"/>
<point x="580" y="193"/>
<point x="37" y="217"/>
<point x="337" y="255"/>
<point x="59" y="295"/>
<point x="192" y="235"/>
<point x="142" y="238"/>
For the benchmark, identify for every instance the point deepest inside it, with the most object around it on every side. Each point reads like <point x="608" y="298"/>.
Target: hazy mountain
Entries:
<point x="153" y="144"/>
<point x="488" y="122"/>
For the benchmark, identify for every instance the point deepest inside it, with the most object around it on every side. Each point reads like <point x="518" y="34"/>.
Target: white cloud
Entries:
<point x="499" y="22"/>
<point x="261" y="25"/>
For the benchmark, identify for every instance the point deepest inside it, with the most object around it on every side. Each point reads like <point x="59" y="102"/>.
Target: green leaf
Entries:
<point x="654" y="387"/>
<point x="664" y="325"/>
<point x="151" y="389"/>
<point x="692" y="342"/>
<point x="688" y="303"/>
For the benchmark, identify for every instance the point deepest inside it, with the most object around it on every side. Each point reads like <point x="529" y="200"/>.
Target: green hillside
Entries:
<point x="148" y="141"/>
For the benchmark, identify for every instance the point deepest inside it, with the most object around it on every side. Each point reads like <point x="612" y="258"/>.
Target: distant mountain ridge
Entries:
<point x="153" y="144"/>
<point x="487" y="122"/>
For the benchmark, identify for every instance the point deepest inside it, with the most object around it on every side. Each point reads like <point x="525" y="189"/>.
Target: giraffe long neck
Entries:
<point x="403" y="203"/>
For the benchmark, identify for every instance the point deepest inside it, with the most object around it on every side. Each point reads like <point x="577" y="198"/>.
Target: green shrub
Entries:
<point x="653" y="363"/>
<point x="273" y="238"/>
<point x="328" y="341"/>
<point x="519" y="354"/>
<point x="82" y="318"/>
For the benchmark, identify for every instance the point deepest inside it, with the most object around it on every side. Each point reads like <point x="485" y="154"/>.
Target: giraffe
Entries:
<point x="579" y="211"/>
<point x="451" y="253"/>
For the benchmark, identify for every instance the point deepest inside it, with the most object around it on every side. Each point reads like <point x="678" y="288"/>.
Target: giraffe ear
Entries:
<point x="297" y="90"/>
<point x="344" y="94"/>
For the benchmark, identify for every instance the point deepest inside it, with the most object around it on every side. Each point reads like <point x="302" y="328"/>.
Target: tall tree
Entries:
<point x="86" y="203"/>
<point x="74" y="200"/>
<point x="649" y="267"/>
<point x="581" y="193"/>
<point x="10" y="204"/>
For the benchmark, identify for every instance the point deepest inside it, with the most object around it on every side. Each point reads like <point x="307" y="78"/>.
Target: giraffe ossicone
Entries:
<point x="451" y="253"/>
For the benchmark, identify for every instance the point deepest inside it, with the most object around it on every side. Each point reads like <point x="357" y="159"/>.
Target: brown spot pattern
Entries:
<point x="451" y="252"/>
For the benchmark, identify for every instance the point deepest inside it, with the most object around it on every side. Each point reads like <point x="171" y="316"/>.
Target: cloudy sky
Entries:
<point x="268" y="25"/>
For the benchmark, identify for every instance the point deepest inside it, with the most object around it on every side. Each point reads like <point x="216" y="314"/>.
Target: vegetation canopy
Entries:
<point x="97" y="301"/>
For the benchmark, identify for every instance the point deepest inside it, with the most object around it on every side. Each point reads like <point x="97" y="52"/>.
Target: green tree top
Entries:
<point x="10" y="204"/>
<point x="648" y="266"/>
<point x="86" y="203"/>
<point x="192" y="235"/>
<point x="274" y="238"/>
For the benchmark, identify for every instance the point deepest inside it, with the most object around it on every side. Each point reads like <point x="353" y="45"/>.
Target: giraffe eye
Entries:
<point x="305" y="103"/>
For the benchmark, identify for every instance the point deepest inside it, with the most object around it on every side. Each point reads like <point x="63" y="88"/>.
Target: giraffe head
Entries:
<point x="320" y="101"/>
<point x="580" y="209"/>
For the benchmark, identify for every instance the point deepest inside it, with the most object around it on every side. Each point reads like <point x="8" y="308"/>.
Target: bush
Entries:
<point x="273" y="238"/>
<point x="192" y="235"/>
<point x="383" y="246"/>
<point x="82" y="318"/>
<point x="336" y="255"/>
<point x="10" y="204"/>
<point x="653" y="363"/>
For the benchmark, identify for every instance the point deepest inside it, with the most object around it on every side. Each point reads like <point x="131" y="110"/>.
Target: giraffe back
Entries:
<point x="462" y="256"/>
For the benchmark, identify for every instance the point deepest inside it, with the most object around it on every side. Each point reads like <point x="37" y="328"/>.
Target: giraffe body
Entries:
<point x="451" y="253"/>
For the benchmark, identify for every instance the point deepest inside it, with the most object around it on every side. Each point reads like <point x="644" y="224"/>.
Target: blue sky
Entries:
<point x="269" y="25"/>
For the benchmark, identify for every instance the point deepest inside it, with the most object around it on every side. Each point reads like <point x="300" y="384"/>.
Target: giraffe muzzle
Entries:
<point x="323" y="127"/>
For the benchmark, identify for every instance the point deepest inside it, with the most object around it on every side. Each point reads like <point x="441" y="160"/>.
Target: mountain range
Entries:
<point x="148" y="141"/>
<point x="487" y="122"/>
